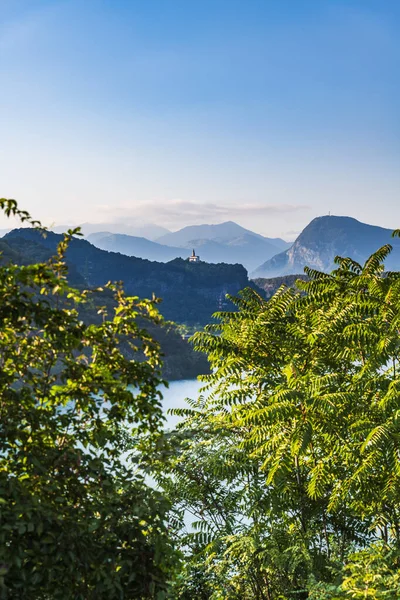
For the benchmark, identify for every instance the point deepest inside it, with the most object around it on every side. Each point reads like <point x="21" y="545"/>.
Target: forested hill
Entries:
<point x="180" y="361"/>
<point x="191" y="293"/>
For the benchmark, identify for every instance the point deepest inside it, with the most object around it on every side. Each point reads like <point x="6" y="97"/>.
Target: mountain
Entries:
<point x="135" y="246"/>
<point x="191" y="293"/>
<point x="227" y="242"/>
<point x="146" y="230"/>
<point x="327" y="237"/>
<point x="223" y="232"/>
<point x="246" y="249"/>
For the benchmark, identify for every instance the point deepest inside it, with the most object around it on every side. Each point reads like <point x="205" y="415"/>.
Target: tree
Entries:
<point x="77" y="520"/>
<point x="293" y="455"/>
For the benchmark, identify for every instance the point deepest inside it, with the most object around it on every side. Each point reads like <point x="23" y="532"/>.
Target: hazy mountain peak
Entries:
<point x="221" y="232"/>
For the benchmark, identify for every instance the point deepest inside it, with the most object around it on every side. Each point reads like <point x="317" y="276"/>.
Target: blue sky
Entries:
<point x="266" y="112"/>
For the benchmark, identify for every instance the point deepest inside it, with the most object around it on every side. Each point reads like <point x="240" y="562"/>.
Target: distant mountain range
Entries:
<point x="146" y="230"/>
<point x="316" y="246"/>
<point x="222" y="233"/>
<point x="224" y="243"/>
<point x="326" y="237"/>
<point x="135" y="246"/>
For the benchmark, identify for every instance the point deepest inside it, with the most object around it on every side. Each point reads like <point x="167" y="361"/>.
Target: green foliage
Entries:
<point x="77" y="520"/>
<point x="369" y="574"/>
<point x="373" y="573"/>
<point x="290" y="462"/>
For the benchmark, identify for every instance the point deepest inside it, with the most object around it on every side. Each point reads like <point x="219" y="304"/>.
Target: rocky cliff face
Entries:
<point x="324" y="239"/>
<point x="270" y="286"/>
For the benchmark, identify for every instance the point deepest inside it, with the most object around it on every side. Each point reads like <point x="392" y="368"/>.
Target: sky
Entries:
<point x="179" y="112"/>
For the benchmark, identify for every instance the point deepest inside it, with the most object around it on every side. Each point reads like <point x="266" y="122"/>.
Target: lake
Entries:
<point x="175" y="395"/>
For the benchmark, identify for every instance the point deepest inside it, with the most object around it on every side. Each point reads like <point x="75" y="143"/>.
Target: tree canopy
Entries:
<point x="77" y="520"/>
<point x="289" y="463"/>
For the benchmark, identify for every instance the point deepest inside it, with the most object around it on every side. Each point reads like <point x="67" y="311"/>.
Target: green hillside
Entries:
<point x="190" y="293"/>
<point x="180" y="360"/>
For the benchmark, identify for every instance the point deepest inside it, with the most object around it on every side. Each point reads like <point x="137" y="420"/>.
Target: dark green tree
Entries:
<point x="77" y="520"/>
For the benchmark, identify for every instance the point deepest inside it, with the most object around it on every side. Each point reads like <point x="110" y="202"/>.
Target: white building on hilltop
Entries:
<point x="193" y="257"/>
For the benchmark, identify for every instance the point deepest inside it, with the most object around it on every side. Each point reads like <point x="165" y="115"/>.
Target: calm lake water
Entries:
<point x="175" y="395"/>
